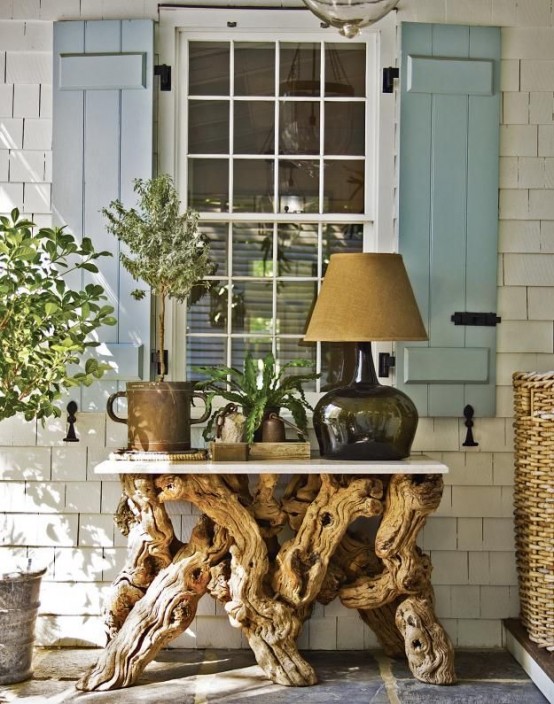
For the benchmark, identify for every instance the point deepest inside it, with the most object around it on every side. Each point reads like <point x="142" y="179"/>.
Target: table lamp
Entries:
<point x="365" y="298"/>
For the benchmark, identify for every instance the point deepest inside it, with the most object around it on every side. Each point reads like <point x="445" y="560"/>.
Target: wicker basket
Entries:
<point x="534" y="502"/>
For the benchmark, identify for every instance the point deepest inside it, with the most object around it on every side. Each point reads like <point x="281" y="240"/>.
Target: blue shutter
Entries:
<point x="448" y="211"/>
<point x="102" y="141"/>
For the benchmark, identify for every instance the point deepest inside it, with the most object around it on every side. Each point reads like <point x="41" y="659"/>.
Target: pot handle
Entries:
<point x="207" y="411"/>
<point x="109" y="406"/>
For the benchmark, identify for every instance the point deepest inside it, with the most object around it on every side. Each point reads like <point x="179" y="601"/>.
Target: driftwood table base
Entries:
<point x="268" y="588"/>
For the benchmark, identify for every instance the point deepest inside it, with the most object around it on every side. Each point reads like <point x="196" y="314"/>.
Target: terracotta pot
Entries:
<point x="158" y="414"/>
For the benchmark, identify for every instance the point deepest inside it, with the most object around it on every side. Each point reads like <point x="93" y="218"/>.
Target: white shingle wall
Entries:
<point x="52" y="506"/>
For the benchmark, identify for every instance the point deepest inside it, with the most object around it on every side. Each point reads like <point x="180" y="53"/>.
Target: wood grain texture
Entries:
<point x="268" y="586"/>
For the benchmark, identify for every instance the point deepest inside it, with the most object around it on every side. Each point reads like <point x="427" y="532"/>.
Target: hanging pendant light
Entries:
<point x="349" y="16"/>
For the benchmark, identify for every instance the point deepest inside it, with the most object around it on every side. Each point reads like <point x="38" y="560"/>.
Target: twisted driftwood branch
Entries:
<point x="165" y="611"/>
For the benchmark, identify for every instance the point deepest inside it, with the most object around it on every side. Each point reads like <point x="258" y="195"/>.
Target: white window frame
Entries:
<point x="296" y="24"/>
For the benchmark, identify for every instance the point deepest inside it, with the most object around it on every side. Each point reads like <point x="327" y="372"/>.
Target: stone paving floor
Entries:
<point x="232" y="677"/>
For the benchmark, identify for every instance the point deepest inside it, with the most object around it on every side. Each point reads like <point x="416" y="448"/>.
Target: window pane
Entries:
<point x="344" y="128"/>
<point x="345" y="70"/>
<point x="343" y="186"/>
<point x="253" y="185"/>
<point x="299" y="127"/>
<point x="257" y="346"/>
<point x="300" y="69"/>
<point x="198" y="313"/>
<point x="254" y="69"/>
<point x="208" y="187"/>
<point x="290" y="349"/>
<point x="209" y="68"/>
<point x="254" y="127"/>
<point x="202" y="351"/>
<point x="211" y="312"/>
<point x="216" y="234"/>
<point x="258" y="307"/>
<point x="294" y="301"/>
<point x="208" y="127"/>
<point x="298" y="186"/>
<point x="342" y="238"/>
<point x="253" y="250"/>
<point x="297" y="250"/>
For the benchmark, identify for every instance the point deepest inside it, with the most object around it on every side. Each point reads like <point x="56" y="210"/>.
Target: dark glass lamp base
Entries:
<point x="365" y="421"/>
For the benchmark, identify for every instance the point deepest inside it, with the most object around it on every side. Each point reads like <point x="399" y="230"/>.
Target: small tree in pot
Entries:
<point x="168" y="253"/>
<point x="166" y="250"/>
<point x="45" y="327"/>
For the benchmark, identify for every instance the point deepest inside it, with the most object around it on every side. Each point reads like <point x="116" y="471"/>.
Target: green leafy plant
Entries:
<point x="45" y="325"/>
<point x="257" y="390"/>
<point x="166" y="250"/>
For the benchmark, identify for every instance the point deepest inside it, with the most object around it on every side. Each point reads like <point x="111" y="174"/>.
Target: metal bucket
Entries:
<point x="19" y="602"/>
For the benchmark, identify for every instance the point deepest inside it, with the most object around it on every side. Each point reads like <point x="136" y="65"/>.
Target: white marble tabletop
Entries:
<point x="415" y="464"/>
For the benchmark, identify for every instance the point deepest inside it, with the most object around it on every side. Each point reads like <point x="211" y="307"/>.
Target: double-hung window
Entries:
<point x="283" y="144"/>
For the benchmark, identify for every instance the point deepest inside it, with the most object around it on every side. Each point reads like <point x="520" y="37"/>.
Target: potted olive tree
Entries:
<point x="45" y="327"/>
<point x="165" y="250"/>
<point x="259" y="392"/>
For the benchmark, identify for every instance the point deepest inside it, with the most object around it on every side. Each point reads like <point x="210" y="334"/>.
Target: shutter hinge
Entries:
<point x="164" y="72"/>
<point x="386" y="363"/>
<point x="485" y="319"/>
<point x="389" y="74"/>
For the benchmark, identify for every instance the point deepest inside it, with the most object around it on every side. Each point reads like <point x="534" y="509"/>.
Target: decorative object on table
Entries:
<point x="229" y="451"/>
<point x="258" y="391"/>
<point x="193" y="455"/>
<point x="46" y="329"/>
<point x="365" y="298"/>
<point x="534" y="502"/>
<point x="273" y="429"/>
<point x="229" y="424"/>
<point x="349" y="16"/>
<point x="158" y="414"/>
<point x="228" y="445"/>
<point x="288" y="450"/>
<point x="168" y="253"/>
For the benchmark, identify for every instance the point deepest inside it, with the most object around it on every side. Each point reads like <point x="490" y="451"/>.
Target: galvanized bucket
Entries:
<point x="19" y="602"/>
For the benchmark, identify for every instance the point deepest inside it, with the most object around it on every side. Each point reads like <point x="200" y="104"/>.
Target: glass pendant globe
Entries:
<point x="349" y="16"/>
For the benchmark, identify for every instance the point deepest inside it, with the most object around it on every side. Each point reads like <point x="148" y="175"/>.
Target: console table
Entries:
<point x="269" y="586"/>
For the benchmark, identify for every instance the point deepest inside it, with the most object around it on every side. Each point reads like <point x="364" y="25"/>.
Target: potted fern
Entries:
<point x="166" y="251"/>
<point x="258" y="392"/>
<point x="45" y="328"/>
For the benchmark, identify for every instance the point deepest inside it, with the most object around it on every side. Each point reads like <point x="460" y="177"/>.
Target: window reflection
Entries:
<point x="298" y="186"/>
<point x="208" y="184"/>
<point x="344" y="128"/>
<point x="254" y="69"/>
<point x="310" y="97"/>
<point x="254" y="127"/>
<point x="208" y="127"/>
<point x="253" y="250"/>
<point x="345" y="66"/>
<point x="253" y="185"/>
<point x="209" y="68"/>
<point x="343" y="186"/>
<point x="294" y="303"/>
